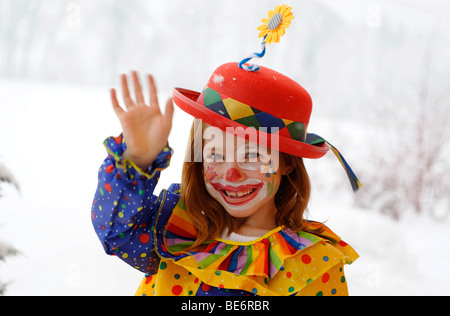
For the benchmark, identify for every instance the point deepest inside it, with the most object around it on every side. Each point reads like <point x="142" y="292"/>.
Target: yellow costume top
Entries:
<point x="279" y="263"/>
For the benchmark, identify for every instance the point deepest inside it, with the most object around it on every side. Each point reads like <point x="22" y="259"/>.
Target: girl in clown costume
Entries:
<point x="235" y="225"/>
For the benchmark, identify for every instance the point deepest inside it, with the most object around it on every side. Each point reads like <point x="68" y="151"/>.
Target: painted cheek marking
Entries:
<point x="210" y="174"/>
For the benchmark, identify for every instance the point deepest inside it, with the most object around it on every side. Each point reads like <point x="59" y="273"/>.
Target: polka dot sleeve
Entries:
<point x="124" y="207"/>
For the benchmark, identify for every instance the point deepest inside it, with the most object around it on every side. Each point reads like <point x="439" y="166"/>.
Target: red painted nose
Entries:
<point x="232" y="175"/>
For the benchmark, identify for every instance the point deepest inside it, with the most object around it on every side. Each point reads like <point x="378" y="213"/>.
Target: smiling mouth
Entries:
<point x="238" y="195"/>
<point x="234" y="195"/>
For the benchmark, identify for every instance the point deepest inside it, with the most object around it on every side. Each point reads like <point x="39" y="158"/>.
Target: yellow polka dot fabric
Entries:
<point x="316" y="271"/>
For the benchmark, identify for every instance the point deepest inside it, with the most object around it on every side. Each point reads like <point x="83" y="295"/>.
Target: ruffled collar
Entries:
<point x="264" y="256"/>
<point x="236" y="237"/>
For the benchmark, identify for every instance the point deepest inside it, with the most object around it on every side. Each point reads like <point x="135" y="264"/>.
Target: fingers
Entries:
<point x="117" y="108"/>
<point x="138" y="94"/>
<point x="137" y="89"/>
<point x="153" y="92"/>
<point x="168" y="113"/>
<point x="126" y="93"/>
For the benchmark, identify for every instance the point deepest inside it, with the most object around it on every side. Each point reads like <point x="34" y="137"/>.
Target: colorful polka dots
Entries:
<point x="144" y="238"/>
<point x="176" y="290"/>
<point x="109" y="169"/>
<point x="108" y="187"/>
<point x="306" y="259"/>
<point x="205" y="287"/>
<point x="123" y="193"/>
<point x="331" y="283"/>
<point x="175" y="280"/>
<point x="126" y="216"/>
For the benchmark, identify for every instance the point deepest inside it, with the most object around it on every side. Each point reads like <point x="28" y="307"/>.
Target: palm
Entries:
<point x="145" y="128"/>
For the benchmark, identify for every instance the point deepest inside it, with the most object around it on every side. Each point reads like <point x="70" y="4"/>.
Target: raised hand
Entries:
<point x="145" y="128"/>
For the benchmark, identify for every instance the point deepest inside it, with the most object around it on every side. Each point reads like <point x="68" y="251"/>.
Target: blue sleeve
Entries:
<point x="124" y="207"/>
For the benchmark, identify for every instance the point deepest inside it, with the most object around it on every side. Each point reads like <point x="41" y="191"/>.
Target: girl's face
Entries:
<point x="241" y="175"/>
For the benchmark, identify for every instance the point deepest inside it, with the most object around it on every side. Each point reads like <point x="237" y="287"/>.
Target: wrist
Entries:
<point x="142" y="161"/>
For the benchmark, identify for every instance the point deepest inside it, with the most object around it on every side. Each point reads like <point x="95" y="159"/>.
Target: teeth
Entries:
<point x="238" y="194"/>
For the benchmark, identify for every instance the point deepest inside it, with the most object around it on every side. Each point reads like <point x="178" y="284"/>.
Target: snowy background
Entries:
<point x="379" y="75"/>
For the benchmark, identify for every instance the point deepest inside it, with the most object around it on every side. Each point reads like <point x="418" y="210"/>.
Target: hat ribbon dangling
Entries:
<point x="314" y="139"/>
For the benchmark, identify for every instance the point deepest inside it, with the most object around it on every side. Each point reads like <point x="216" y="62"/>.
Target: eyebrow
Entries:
<point x="220" y="148"/>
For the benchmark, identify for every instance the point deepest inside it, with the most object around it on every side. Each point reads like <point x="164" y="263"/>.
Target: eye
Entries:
<point x="215" y="158"/>
<point x="252" y="156"/>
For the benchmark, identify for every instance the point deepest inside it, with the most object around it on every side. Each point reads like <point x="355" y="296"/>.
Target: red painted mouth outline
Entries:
<point x="242" y="188"/>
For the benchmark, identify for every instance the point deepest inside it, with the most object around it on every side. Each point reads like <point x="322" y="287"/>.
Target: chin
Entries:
<point x="241" y="213"/>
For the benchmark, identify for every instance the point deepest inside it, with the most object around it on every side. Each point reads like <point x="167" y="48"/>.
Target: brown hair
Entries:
<point x="210" y="218"/>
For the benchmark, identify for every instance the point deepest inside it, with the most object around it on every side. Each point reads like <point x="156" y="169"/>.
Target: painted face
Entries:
<point x="241" y="176"/>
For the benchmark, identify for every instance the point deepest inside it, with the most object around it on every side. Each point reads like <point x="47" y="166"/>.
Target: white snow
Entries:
<point x="218" y="79"/>
<point x="54" y="149"/>
<point x="363" y="62"/>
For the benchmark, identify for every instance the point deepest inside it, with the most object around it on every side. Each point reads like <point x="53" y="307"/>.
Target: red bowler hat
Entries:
<point x="265" y="100"/>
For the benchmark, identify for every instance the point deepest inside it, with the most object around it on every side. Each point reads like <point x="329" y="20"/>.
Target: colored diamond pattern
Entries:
<point x="265" y="119"/>
<point x="251" y="117"/>
<point x="297" y="130"/>
<point x="250" y="121"/>
<point x="236" y="109"/>
<point x="219" y="108"/>
<point x="210" y="97"/>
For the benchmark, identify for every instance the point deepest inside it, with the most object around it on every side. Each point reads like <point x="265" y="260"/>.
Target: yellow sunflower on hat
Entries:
<point x="275" y="26"/>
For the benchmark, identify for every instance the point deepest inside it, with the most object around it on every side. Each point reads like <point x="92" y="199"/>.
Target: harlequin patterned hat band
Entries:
<point x="249" y="116"/>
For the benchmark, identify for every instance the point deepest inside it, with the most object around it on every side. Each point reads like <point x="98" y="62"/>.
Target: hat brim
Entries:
<point x="187" y="101"/>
